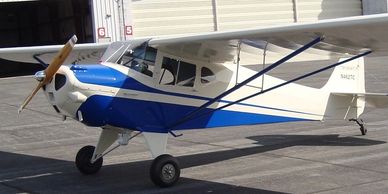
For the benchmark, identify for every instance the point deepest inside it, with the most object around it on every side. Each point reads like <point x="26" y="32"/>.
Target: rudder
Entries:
<point x="348" y="78"/>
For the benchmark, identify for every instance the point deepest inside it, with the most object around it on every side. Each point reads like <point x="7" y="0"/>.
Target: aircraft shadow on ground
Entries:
<point x="33" y="174"/>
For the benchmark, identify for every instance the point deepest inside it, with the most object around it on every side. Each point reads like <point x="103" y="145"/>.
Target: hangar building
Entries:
<point x="44" y="22"/>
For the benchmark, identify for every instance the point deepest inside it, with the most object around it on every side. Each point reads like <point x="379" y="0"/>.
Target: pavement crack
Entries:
<point x="328" y="163"/>
<point x="22" y="190"/>
<point x="209" y="144"/>
<point x="36" y="111"/>
<point x="349" y="186"/>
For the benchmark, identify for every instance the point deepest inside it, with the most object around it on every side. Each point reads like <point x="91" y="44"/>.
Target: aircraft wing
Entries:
<point x="84" y="53"/>
<point x="343" y="37"/>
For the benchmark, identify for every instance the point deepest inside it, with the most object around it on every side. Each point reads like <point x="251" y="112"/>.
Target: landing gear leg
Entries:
<point x="360" y="123"/>
<point x="165" y="170"/>
<point x="89" y="158"/>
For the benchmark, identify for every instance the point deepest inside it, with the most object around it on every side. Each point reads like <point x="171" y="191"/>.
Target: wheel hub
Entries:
<point x="168" y="171"/>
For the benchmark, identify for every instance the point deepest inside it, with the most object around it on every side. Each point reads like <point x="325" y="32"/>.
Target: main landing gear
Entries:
<point x="360" y="123"/>
<point x="164" y="170"/>
<point x="83" y="161"/>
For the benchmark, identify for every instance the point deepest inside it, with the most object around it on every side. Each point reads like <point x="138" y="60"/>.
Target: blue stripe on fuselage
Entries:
<point x="155" y="116"/>
<point x="106" y="76"/>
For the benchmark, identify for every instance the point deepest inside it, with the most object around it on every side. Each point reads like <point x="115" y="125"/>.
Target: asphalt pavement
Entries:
<point x="37" y="151"/>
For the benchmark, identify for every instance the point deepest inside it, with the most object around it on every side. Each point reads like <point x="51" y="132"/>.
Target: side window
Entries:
<point x="150" y="54"/>
<point x="141" y="59"/>
<point x="207" y="75"/>
<point x="169" y="71"/>
<point x="175" y="72"/>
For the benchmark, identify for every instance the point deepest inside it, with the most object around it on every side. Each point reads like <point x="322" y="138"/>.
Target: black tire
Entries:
<point x="82" y="161"/>
<point x="363" y="130"/>
<point x="165" y="171"/>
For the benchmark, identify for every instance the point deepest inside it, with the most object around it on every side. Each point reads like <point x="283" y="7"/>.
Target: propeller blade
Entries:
<point x="51" y="69"/>
<point x="59" y="59"/>
<point x="28" y="99"/>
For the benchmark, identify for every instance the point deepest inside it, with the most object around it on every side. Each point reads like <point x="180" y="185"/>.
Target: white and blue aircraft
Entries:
<point x="160" y="86"/>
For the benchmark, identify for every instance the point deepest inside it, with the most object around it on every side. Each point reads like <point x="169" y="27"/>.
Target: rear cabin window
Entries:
<point x="176" y="72"/>
<point x="207" y="75"/>
<point x="141" y="59"/>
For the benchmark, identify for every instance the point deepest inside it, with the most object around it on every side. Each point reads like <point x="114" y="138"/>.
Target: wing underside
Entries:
<point x="84" y="53"/>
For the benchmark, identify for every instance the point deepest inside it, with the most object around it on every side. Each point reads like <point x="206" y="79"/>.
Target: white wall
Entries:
<point x="251" y="13"/>
<point x="109" y="19"/>
<point x="166" y="17"/>
<point x="374" y="6"/>
<point x="162" y="17"/>
<point x="312" y="10"/>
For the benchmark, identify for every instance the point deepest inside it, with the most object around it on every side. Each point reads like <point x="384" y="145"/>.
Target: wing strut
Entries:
<point x="36" y="57"/>
<point x="238" y="86"/>
<point x="288" y="82"/>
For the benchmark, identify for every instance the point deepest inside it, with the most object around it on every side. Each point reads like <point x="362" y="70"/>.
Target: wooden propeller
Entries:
<point x="50" y="71"/>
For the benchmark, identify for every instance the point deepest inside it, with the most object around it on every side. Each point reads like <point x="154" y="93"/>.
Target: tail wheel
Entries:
<point x="165" y="171"/>
<point x="83" y="163"/>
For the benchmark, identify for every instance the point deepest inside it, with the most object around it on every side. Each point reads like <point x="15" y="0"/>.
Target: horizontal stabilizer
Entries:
<point x="377" y="100"/>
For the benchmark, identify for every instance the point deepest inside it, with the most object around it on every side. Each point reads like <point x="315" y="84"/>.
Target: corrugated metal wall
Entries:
<point x="107" y="16"/>
<point x="312" y="10"/>
<point x="253" y="13"/>
<point x="160" y="17"/>
<point x="163" y="17"/>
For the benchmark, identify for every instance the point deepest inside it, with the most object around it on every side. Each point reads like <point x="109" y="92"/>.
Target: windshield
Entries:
<point x="140" y="59"/>
<point x="116" y="50"/>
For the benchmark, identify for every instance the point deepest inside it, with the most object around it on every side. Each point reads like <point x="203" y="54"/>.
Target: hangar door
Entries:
<point x="26" y="23"/>
<point x="43" y="22"/>
<point x="160" y="17"/>
<point x="312" y="10"/>
<point x="253" y="13"/>
<point x="256" y="13"/>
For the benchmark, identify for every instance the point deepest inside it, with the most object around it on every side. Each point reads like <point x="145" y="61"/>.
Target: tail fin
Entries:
<point x="348" y="78"/>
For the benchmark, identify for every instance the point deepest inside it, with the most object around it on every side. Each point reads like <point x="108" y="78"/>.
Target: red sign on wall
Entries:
<point x="128" y="30"/>
<point x="101" y="32"/>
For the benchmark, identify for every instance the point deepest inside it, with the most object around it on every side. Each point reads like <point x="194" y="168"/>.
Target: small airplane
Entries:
<point x="161" y="86"/>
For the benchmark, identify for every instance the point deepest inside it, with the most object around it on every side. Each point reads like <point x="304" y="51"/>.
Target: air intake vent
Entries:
<point x="60" y="81"/>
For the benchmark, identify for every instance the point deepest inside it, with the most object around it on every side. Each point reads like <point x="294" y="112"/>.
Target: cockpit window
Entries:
<point x="141" y="59"/>
<point x="176" y="72"/>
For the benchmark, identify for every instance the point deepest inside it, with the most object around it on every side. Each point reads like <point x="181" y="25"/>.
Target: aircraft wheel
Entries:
<point x="165" y="171"/>
<point x="82" y="161"/>
<point x="363" y="130"/>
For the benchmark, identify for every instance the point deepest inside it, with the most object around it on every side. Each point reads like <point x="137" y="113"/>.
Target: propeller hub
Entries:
<point x="40" y="75"/>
